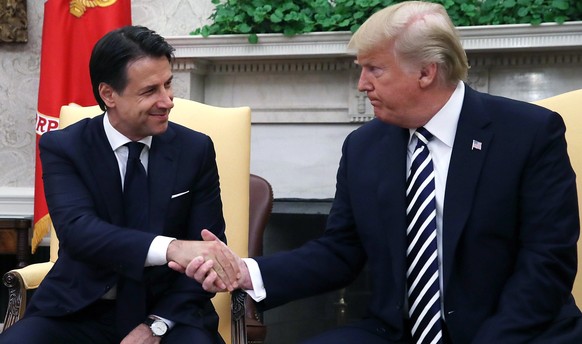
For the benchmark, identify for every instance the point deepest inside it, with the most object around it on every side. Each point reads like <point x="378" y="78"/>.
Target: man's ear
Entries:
<point x="106" y="92"/>
<point x="428" y="75"/>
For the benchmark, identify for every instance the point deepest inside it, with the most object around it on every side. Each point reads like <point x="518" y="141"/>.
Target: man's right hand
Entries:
<point x="209" y="273"/>
<point x="203" y="272"/>
<point x="218" y="260"/>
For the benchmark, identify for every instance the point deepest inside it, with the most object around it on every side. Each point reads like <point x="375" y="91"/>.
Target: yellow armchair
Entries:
<point x="568" y="105"/>
<point x="229" y="129"/>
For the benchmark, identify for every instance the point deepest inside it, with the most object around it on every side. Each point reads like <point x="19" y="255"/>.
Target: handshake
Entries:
<point x="215" y="266"/>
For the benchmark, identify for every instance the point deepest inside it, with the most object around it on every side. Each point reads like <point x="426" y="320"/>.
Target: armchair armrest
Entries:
<point x="247" y="326"/>
<point x="238" y="323"/>
<point x="18" y="281"/>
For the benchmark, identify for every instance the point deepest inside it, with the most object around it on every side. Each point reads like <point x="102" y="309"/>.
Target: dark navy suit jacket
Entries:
<point x="84" y="196"/>
<point x="510" y="226"/>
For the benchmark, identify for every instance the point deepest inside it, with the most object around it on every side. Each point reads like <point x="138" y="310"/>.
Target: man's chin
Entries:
<point x="160" y="128"/>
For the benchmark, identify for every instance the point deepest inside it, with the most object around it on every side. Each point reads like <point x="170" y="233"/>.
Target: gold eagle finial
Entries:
<point x="78" y="7"/>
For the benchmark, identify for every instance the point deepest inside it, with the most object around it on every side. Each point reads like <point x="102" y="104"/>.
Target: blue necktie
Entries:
<point x="131" y="294"/>
<point x="424" y="307"/>
<point x="135" y="189"/>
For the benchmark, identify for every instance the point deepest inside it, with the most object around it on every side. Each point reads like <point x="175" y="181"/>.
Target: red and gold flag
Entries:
<point x="70" y="29"/>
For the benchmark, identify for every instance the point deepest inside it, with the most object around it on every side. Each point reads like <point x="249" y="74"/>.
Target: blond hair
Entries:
<point x="422" y="33"/>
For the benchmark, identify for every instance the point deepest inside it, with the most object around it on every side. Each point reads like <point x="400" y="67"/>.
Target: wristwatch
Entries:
<point x="157" y="325"/>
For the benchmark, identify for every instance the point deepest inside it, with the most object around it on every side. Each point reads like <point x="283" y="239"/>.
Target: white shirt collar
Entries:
<point x="443" y="125"/>
<point x="117" y="139"/>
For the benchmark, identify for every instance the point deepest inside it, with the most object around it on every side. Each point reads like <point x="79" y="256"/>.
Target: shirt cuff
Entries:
<point x="168" y="322"/>
<point x="258" y="293"/>
<point x="158" y="250"/>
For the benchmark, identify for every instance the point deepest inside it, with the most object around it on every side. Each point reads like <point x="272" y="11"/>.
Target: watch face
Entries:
<point x="159" y="328"/>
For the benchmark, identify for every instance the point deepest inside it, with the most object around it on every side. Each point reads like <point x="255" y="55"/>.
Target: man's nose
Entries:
<point x="166" y="99"/>
<point x="363" y="83"/>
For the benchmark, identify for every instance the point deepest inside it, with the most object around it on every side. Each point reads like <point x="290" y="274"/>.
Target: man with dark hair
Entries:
<point x="462" y="204"/>
<point x="111" y="282"/>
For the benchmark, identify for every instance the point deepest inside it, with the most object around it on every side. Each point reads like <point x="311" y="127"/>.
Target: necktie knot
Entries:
<point x="423" y="136"/>
<point x="135" y="187"/>
<point x="135" y="149"/>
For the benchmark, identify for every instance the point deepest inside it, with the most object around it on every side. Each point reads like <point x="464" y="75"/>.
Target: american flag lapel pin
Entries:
<point x="476" y="145"/>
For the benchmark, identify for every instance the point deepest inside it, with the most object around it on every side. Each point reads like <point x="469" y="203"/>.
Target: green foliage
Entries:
<point x="293" y="17"/>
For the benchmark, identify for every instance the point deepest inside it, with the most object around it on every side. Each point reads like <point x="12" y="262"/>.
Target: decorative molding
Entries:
<point x="522" y="37"/>
<point x="281" y="66"/>
<point x="550" y="57"/>
<point x="16" y="202"/>
<point x="333" y="44"/>
<point x="226" y="47"/>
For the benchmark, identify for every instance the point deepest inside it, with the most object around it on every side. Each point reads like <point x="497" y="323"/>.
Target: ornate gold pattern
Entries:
<point x="78" y="7"/>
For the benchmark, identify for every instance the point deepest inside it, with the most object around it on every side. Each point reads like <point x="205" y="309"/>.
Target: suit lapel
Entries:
<point x="106" y="169"/>
<point x="464" y="172"/>
<point x="162" y="169"/>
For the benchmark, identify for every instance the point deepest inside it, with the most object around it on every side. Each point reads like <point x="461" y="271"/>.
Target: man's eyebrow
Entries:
<point x="148" y="87"/>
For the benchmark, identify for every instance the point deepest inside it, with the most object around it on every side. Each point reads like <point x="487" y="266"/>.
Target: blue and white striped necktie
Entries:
<point x="424" y="307"/>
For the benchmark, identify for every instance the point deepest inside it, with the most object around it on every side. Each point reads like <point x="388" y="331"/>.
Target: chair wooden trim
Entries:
<point x="16" y="298"/>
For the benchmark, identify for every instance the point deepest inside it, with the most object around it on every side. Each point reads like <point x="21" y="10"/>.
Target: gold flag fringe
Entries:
<point x="41" y="229"/>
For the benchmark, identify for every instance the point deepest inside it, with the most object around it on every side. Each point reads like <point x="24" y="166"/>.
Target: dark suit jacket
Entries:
<point x="510" y="226"/>
<point x="84" y="196"/>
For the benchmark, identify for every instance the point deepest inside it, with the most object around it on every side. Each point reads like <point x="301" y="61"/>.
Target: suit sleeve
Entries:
<point x="320" y="265"/>
<point x="548" y="231"/>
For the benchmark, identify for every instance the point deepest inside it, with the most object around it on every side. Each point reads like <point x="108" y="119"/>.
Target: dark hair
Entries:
<point x="114" y="51"/>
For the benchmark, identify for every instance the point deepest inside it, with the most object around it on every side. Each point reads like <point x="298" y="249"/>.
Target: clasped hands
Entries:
<point x="214" y="265"/>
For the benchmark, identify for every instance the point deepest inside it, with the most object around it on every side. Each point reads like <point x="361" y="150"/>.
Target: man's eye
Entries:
<point x="375" y="71"/>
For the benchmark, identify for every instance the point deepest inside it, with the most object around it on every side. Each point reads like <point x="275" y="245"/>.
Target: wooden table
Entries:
<point x="14" y="238"/>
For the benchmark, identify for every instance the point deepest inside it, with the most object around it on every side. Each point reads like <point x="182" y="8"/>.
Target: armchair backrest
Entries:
<point x="568" y="106"/>
<point x="230" y="130"/>
<point x="261" y="205"/>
